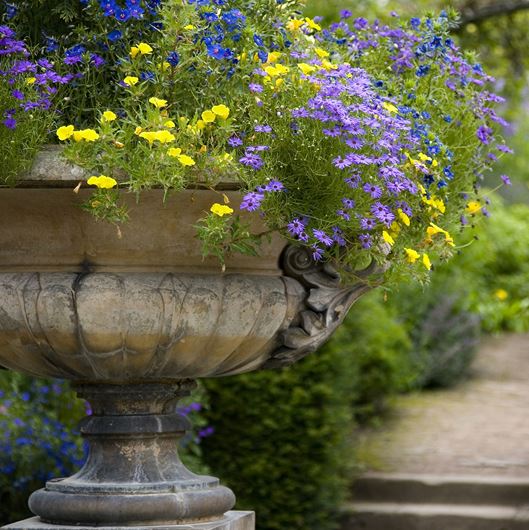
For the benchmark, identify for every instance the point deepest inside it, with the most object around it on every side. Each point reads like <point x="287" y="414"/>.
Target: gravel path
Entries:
<point x="479" y="427"/>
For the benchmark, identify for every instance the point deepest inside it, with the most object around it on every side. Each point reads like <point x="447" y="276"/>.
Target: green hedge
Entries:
<point x="282" y="441"/>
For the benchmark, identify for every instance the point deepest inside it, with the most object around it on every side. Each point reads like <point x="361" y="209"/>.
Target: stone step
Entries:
<point x="441" y="489"/>
<point x="401" y="516"/>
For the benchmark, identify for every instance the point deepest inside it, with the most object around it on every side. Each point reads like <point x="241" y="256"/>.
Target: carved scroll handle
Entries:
<point x="323" y="306"/>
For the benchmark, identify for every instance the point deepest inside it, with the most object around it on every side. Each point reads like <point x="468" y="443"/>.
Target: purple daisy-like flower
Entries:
<point x="365" y="240"/>
<point x="274" y="185"/>
<point x="353" y="181"/>
<point x="367" y="223"/>
<point x="252" y="201"/>
<point x="348" y="203"/>
<point x="373" y="190"/>
<point x="255" y="87"/>
<point x="296" y="227"/>
<point x="235" y="141"/>
<point x="504" y="149"/>
<point x="382" y="213"/>
<point x="343" y="215"/>
<point x="263" y="128"/>
<point x="506" y="180"/>
<point x="317" y="253"/>
<point x="322" y="237"/>
<point x="252" y="160"/>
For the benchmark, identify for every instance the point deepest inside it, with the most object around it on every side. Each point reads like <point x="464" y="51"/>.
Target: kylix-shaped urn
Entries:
<point x="132" y="320"/>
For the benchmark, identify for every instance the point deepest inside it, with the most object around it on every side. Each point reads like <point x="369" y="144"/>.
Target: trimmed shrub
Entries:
<point x="282" y="440"/>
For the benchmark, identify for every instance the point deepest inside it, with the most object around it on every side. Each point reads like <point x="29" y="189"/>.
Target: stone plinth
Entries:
<point x="231" y="521"/>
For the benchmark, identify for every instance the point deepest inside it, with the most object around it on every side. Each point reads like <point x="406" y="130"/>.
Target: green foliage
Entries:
<point x="286" y="451"/>
<point x="379" y="347"/>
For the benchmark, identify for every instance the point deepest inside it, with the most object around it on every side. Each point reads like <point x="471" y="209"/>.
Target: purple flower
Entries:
<point x="10" y="123"/>
<point x="235" y="141"/>
<point x="504" y="149"/>
<point x="252" y="201"/>
<point x="484" y="134"/>
<point x="382" y="213"/>
<point x="252" y="160"/>
<point x="263" y="128"/>
<point x="255" y="87"/>
<point x="506" y="180"/>
<point x="373" y="190"/>
<point x="366" y="223"/>
<point x="348" y="203"/>
<point x="322" y="237"/>
<point x="343" y="215"/>
<point x="295" y="227"/>
<point x="97" y="60"/>
<point x="365" y="240"/>
<point x="317" y="253"/>
<point x="274" y="185"/>
<point x="353" y="181"/>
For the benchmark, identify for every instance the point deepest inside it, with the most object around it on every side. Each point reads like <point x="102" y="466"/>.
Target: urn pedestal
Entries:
<point x="132" y="320"/>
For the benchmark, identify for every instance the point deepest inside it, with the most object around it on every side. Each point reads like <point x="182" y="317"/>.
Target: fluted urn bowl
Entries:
<point x="132" y="316"/>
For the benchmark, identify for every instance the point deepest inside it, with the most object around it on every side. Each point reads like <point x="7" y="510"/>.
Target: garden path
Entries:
<point x="479" y="427"/>
<point x="453" y="459"/>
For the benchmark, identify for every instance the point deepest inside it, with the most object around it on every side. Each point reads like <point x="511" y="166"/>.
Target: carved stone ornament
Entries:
<point x="132" y="321"/>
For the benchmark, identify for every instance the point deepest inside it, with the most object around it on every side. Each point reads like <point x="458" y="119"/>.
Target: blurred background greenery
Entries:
<point x="297" y="426"/>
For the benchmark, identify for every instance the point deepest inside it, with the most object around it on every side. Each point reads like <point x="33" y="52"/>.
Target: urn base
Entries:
<point x="231" y="521"/>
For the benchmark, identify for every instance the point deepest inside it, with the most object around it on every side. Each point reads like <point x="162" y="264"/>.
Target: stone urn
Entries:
<point x="133" y="319"/>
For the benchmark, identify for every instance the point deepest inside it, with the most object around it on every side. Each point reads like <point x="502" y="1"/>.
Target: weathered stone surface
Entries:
<point x="133" y="474"/>
<point x="231" y="521"/>
<point x="121" y="327"/>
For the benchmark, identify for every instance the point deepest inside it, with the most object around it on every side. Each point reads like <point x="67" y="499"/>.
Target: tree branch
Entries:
<point x="507" y="7"/>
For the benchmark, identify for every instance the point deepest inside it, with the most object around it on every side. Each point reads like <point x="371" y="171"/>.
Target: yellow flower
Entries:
<point x="221" y="209"/>
<point x="138" y="130"/>
<point x="434" y="229"/>
<point x="158" y="103"/>
<point x="174" y="151"/>
<point x="148" y="135"/>
<point x="273" y="57"/>
<point x="321" y="53"/>
<point x="279" y="82"/>
<point x="501" y="294"/>
<point x="170" y="124"/>
<point x="426" y="261"/>
<point x="294" y="24"/>
<point x="387" y="238"/>
<point x="108" y="116"/>
<point x="164" y="137"/>
<point x="134" y="51"/>
<point x="411" y="255"/>
<point x="189" y="27"/>
<point x="130" y="80"/>
<point x="328" y="65"/>
<point x="89" y="135"/>
<point x="144" y="48"/>
<point x="201" y="124"/>
<point x="222" y="111"/>
<point x="31" y="80"/>
<point x="119" y="145"/>
<point x="186" y="160"/>
<point x="282" y="69"/>
<point x="306" y="68"/>
<point x="473" y="207"/>
<point x="403" y="217"/>
<point x="389" y="107"/>
<point x="102" y="182"/>
<point x="66" y="132"/>
<point x="312" y="25"/>
<point x="208" y="116"/>
<point x="203" y="149"/>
